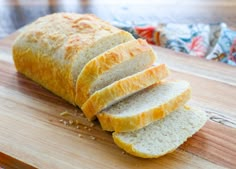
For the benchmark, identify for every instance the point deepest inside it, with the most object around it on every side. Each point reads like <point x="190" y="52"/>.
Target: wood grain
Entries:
<point x="213" y="143"/>
<point x="7" y="162"/>
<point x="207" y="69"/>
<point x="33" y="131"/>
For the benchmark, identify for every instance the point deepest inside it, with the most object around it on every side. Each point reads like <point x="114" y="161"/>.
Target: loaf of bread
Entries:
<point x="114" y="64"/>
<point x="109" y="75"/>
<point x="54" y="49"/>
<point x="163" y="136"/>
<point x="145" y="107"/>
<point x="123" y="88"/>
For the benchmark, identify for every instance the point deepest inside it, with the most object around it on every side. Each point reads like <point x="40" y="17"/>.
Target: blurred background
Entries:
<point x="200" y="28"/>
<point x="17" y="13"/>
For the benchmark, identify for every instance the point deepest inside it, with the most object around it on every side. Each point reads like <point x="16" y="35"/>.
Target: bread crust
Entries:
<point x="124" y="87"/>
<point x="46" y="51"/>
<point x="45" y="72"/>
<point x="130" y="123"/>
<point x="131" y="149"/>
<point x="104" y="62"/>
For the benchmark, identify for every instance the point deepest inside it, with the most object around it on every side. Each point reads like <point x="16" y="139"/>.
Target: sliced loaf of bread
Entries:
<point x="162" y="136"/>
<point x="54" y="49"/>
<point x="123" y="88"/>
<point x="146" y="106"/>
<point x="121" y="61"/>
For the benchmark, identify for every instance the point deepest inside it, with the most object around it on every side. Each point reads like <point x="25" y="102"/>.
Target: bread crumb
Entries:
<point x="82" y="115"/>
<point x="80" y="135"/>
<point x="77" y="126"/>
<point x="187" y="107"/>
<point x="61" y="120"/>
<point x="85" y="127"/>
<point x="93" y="138"/>
<point x="71" y="122"/>
<point x="89" y="129"/>
<point x="65" y="113"/>
<point x="65" y="122"/>
<point x="91" y="125"/>
<point x="77" y="122"/>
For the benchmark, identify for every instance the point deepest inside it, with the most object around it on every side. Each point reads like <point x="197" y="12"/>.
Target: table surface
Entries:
<point x="31" y="134"/>
<point x="15" y="14"/>
<point x="27" y="109"/>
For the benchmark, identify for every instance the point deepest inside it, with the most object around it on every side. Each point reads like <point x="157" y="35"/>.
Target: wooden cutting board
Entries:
<point x="40" y="130"/>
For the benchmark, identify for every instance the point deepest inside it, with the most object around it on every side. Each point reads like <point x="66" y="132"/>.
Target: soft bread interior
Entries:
<point x="122" y="89"/>
<point x="97" y="48"/>
<point x="162" y="136"/>
<point x="119" y="62"/>
<point x="148" y="99"/>
<point x="124" y="69"/>
<point x="146" y="106"/>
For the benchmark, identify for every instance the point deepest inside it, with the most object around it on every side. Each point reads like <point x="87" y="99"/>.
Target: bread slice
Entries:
<point x="123" y="88"/>
<point x="146" y="106"/>
<point x="121" y="61"/>
<point x="162" y="136"/>
<point x="54" y="49"/>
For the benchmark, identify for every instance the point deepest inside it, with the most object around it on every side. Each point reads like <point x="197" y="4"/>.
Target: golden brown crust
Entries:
<point x="106" y="61"/>
<point x="124" y="87"/>
<point x="125" y="124"/>
<point x="44" y="71"/>
<point x="73" y="31"/>
<point x="47" y="50"/>
<point x="191" y="122"/>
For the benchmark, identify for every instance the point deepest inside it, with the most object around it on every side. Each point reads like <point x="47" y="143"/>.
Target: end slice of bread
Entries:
<point x="162" y="136"/>
<point x="123" y="88"/>
<point x="146" y="106"/>
<point x="114" y="64"/>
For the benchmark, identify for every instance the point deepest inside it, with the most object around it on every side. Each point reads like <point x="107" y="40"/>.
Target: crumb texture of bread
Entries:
<point x="162" y="136"/>
<point x="146" y="106"/>
<point x="123" y="88"/>
<point x="119" y="62"/>
<point x="54" y="49"/>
